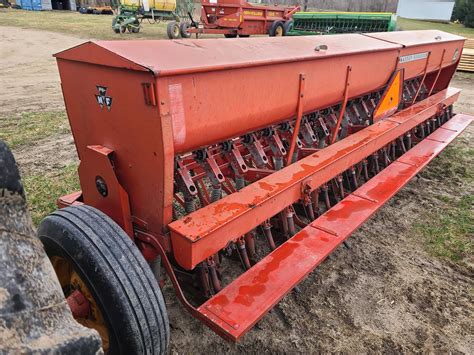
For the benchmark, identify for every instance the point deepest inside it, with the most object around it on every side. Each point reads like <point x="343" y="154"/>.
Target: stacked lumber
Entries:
<point x="467" y="59"/>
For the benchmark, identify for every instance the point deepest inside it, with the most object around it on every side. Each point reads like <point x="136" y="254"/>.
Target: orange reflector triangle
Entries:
<point x="391" y="97"/>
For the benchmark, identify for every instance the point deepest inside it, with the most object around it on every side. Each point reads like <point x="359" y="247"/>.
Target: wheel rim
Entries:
<point x="279" y="31"/>
<point x="70" y="281"/>
<point x="175" y="31"/>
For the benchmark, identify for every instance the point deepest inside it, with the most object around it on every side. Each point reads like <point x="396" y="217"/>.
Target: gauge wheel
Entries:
<point x="183" y="30"/>
<point x="230" y="35"/>
<point x="277" y="29"/>
<point x="244" y="36"/>
<point x="108" y="284"/>
<point x="172" y="30"/>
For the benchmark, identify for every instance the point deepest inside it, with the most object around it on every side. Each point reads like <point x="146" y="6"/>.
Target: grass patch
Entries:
<point x="449" y="230"/>
<point x="448" y="227"/>
<point x="458" y="29"/>
<point x="74" y="23"/>
<point x="42" y="191"/>
<point x="28" y="127"/>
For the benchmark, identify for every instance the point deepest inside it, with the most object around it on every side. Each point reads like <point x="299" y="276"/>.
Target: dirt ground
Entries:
<point x="384" y="294"/>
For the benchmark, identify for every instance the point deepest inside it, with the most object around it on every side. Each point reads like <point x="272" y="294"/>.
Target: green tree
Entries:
<point x="469" y="14"/>
<point x="464" y="12"/>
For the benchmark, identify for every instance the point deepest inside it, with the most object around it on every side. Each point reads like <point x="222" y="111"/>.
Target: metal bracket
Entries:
<point x="184" y="178"/>
<point x="299" y="115"/>
<point x="335" y="132"/>
<point x="101" y="187"/>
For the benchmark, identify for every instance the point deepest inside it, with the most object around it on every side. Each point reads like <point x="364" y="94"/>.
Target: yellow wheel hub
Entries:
<point x="71" y="281"/>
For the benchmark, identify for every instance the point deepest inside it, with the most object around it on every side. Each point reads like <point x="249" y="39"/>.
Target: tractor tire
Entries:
<point x="112" y="272"/>
<point x="288" y="26"/>
<point x="244" y="36"/>
<point x="172" y="30"/>
<point x="277" y="29"/>
<point x="183" y="30"/>
<point x="10" y="176"/>
<point x="230" y="35"/>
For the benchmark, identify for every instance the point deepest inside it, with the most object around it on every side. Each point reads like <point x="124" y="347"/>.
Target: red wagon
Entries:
<point x="234" y="18"/>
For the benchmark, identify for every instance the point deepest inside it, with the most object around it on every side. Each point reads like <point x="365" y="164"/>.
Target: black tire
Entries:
<point x="277" y="29"/>
<point x="230" y="35"/>
<point x="9" y="175"/>
<point x="118" y="277"/>
<point x="172" y="30"/>
<point x="183" y="30"/>
<point x="244" y="36"/>
<point x="288" y="26"/>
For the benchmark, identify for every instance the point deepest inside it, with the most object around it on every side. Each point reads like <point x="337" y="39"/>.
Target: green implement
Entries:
<point x="130" y="14"/>
<point x="311" y="23"/>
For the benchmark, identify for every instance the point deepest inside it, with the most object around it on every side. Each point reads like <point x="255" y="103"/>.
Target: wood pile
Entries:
<point x="467" y="59"/>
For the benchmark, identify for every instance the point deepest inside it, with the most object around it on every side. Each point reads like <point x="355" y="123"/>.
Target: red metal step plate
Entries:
<point x="235" y="309"/>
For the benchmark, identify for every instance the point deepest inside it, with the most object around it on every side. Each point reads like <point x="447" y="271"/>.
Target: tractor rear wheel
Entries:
<point x="172" y="30"/>
<point x="277" y="29"/>
<point x="97" y="262"/>
<point x="183" y="30"/>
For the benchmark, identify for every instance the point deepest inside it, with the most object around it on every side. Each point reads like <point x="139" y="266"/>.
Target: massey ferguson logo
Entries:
<point x="102" y="98"/>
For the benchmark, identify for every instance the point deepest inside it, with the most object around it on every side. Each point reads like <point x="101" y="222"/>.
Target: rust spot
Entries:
<point x="187" y="219"/>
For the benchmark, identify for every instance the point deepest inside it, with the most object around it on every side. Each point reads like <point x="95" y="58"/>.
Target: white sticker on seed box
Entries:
<point x="177" y="112"/>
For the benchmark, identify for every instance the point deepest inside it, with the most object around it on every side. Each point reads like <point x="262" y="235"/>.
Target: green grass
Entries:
<point x="448" y="226"/>
<point x="29" y="127"/>
<point x="73" y="23"/>
<point x="458" y="29"/>
<point x="42" y="191"/>
<point x="449" y="230"/>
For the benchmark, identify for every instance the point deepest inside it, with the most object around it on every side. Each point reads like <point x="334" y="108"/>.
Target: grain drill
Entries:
<point x="237" y="166"/>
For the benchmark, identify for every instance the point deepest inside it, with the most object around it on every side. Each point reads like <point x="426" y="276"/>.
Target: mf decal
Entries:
<point x="102" y="98"/>
<point x="413" y="57"/>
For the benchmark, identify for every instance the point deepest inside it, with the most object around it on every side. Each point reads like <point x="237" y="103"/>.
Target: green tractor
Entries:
<point x="130" y="14"/>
